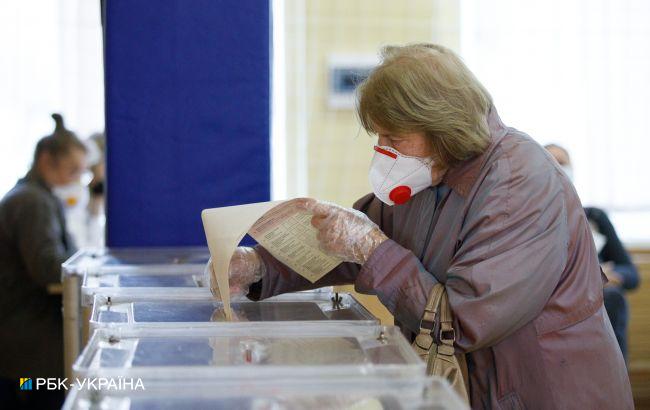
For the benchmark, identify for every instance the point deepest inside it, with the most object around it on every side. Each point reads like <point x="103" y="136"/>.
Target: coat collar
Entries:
<point x="461" y="178"/>
<point x="32" y="177"/>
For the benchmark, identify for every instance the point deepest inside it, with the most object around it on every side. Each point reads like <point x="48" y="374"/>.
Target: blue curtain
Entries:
<point x="187" y="114"/>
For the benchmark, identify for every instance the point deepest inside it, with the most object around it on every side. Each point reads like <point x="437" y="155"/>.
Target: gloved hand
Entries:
<point x="245" y="268"/>
<point x="343" y="232"/>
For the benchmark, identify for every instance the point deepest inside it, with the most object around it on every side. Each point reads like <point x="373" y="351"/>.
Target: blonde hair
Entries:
<point x="427" y="88"/>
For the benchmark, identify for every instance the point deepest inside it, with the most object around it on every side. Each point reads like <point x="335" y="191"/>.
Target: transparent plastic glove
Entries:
<point x="343" y="232"/>
<point x="245" y="268"/>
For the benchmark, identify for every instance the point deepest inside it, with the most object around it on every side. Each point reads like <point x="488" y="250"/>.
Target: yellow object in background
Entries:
<point x="371" y="303"/>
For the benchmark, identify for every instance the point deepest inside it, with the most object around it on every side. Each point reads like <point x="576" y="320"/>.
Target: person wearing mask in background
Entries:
<point x="615" y="261"/>
<point x="98" y="169"/>
<point x="83" y="200"/>
<point x="462" y="200"/>
<point x="96" y="216"/>
<point x="33" y="244"/>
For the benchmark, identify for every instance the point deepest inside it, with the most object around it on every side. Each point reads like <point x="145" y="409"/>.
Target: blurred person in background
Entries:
<point x="33" y="244"/>
<point x="96" y="206"/>
<point x="98" y="169"/>
<point x="83" y="200"/>
<point x="616" y="263"/>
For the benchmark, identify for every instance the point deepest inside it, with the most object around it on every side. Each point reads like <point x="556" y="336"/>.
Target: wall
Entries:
<point x="639" y="331"/>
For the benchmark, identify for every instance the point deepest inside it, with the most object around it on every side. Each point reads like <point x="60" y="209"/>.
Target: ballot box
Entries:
<point x="322" y="308"/>
<point x="241" y="351"/>
<point x="140" y="280"/>
<point x="117" y="263"/>
<point x="89" y="257"/>
<point x="277" y="394"/>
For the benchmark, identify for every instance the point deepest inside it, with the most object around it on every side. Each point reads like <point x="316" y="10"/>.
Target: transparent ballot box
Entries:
<point x="121" y="266"/>
<point x="93" y="258"/>
<point x="245" y="351"/>
<point x="135" y="281"/>
<point x="315" y="307"/>
<point x="283" y="394"/>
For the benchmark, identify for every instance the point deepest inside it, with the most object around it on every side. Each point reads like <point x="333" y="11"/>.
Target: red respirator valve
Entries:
<point x="400" y="195"/>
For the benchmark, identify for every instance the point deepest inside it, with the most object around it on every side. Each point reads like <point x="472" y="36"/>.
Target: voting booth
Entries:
<point x="187" y="107"/>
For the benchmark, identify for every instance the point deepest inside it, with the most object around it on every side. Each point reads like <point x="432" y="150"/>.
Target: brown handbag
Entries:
<point x="440" y="353"/>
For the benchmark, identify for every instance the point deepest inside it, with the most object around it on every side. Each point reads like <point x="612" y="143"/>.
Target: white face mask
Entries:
<point x="73" y="196"/>
<point x="395" y="178"/>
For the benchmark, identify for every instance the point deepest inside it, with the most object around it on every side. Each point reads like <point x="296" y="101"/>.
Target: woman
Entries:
<point x="484" y="210"/>
<point x="33" y="244"/>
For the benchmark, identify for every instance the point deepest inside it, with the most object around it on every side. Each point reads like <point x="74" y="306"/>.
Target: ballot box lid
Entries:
<point x="146" y="311"/>
<point x="249" y="350"/>
<point x="143" y="280"/>
<point x="419" y="393"/>
<point x="92" y="259"/>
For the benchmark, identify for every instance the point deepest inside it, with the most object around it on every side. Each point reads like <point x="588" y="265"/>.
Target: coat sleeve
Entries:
<point x="400" y="281"/>
<point x="39" y="241"/>
<point x="512" y="252"/>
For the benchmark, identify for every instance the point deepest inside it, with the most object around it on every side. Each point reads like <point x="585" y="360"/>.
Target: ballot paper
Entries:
<point x="286" y="232"/>
<point x="224" y="229"/>
<point x="280" y="227"/>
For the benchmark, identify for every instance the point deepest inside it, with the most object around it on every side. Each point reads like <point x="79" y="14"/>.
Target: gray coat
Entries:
<point x="33" y="244"/>
<point x="507" y="235"/>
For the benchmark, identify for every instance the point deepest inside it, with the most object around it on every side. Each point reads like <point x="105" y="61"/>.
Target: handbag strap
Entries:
<point x="424" y="340"/>
<point x="438" y="302"/>
<point x="447" y="334"/>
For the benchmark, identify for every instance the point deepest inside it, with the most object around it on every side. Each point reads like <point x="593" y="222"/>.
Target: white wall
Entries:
<point x="50" y="61"/>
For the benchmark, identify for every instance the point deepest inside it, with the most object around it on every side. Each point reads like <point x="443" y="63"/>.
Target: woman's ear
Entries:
<point x="47" y="160"/>
<point x="437" y="174"/>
